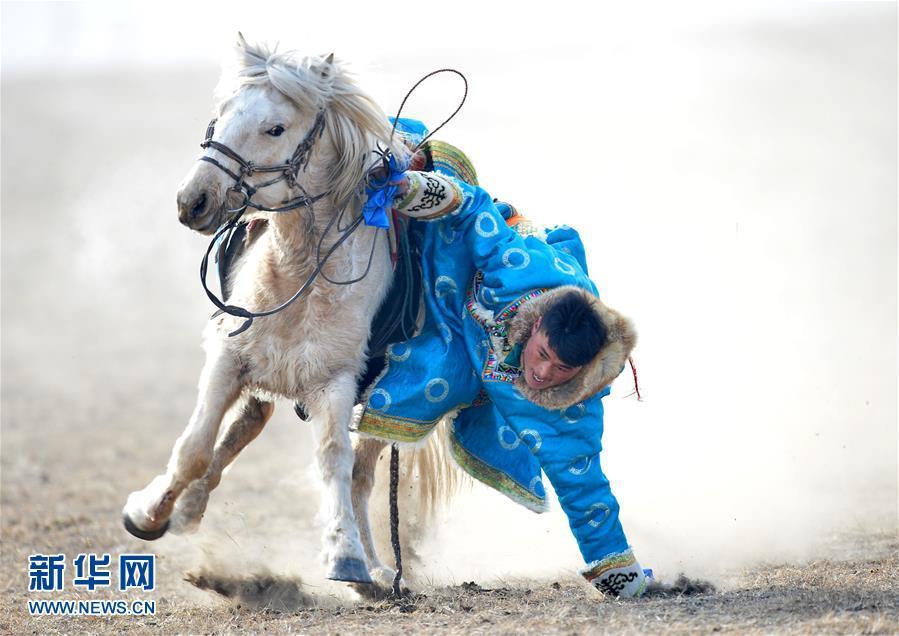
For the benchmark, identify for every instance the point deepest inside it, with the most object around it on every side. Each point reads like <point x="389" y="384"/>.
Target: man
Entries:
<point x="517" y="343"/>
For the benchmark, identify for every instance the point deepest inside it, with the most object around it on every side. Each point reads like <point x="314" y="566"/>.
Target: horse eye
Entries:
<point x="275" y="131"/>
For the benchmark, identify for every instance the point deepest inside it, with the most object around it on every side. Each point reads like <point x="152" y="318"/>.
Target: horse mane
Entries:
<point x="353" y="120"/>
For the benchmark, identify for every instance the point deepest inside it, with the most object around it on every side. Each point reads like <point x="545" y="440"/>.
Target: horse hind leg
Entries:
<point x="243" y="429"/>
<point x="146" y="513"/>
<point x="367" y="450"/>
<point x="331" y="413"/>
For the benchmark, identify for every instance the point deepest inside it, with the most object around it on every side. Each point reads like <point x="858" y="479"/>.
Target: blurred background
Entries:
<point x="733" y="172"/>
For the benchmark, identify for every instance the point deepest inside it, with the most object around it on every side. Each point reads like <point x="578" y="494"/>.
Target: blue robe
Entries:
<point x="485" y="284"/>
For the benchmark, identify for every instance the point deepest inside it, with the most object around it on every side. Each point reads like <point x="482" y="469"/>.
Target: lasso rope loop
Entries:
<point x="445" y="121"/>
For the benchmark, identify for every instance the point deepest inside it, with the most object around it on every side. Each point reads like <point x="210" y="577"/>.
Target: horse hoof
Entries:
<point x="146" y="535"/>
<point x="383" y="577"/>
<point x="350" y="570"/>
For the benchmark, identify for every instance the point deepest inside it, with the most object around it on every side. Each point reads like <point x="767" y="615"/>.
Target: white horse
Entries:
<point x="313" y="351"/>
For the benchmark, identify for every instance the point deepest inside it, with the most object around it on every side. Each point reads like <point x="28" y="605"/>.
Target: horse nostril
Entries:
<point x="199" y="207"/>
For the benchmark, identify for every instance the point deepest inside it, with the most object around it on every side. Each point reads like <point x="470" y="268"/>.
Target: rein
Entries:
<point x="289" y="170"/>
<point x="241" y="312"/>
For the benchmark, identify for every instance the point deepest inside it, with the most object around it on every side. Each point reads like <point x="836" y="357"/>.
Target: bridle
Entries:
<point x="289" y="170"/>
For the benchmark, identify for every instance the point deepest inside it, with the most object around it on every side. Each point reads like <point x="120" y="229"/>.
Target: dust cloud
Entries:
<point x="735" y="185"/>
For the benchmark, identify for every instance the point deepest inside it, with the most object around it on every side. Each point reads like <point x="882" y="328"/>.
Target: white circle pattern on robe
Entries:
<point x="406" y="351"/>
<point x="487" y="297"/>
<point x="581" y="465"/>
<point x="574" y="412"/>
<point x="429" y="388"/>
<point x="536" y="487"/>
<point x="507" y="258"/>
<point x="444" y="285"/>
<point x="479" y="225"/>
<point x="445" y="332"/>
<point x="383" y="394"/>
<point x="591" y="514"/>
<point x="447" y="234"/>
<point x="534" y="435"/>
<point x="503" y="438"/>
<point x="565" y="268"/>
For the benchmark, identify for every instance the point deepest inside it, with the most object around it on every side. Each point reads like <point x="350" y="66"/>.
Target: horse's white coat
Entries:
<point x="314" y="350"/>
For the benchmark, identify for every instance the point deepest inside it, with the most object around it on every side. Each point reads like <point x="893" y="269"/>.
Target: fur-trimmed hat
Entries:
<point x="593" y="376"/>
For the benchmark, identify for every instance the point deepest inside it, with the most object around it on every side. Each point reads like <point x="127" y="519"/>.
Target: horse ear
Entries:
<point x="326" y="66"/>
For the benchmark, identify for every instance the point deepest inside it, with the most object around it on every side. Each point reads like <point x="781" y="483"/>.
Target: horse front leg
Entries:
<point x="146" y="513"/>
<point x="250" y="419"/>
<point x="331" y="413"/>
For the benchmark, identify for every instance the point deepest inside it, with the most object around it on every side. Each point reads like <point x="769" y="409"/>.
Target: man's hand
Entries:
<point x="378" y="176"/>
<point x="618" y="575"/>
<point x="402" y="187"/>
<point x="417" y="162"/>
<point x="628" y="582"/>
<point x="384" y="184"/>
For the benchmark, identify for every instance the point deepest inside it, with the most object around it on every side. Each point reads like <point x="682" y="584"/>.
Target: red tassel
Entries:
<point x="636" y="384"/>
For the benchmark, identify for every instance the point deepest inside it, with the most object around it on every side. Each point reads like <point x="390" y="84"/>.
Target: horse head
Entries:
<point x="287" y="131"/>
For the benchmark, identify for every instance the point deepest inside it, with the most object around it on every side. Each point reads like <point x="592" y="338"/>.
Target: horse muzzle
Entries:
<point x="199" y="209"/>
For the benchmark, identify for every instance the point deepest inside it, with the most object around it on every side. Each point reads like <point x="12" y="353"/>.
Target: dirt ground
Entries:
<point x="856" y="594"/>
<point x="100" y="358"/>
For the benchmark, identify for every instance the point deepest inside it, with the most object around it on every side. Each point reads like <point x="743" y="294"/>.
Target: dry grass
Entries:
<point x="853" y="596"/>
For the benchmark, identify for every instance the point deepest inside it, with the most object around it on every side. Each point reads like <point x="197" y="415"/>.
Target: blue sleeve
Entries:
<point x="511" y="264"/>
<point x="567" y="444"/>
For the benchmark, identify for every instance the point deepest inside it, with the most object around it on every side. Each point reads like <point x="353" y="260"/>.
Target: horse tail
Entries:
<point x="433" y="471"/>
<point x="428" y="480"/>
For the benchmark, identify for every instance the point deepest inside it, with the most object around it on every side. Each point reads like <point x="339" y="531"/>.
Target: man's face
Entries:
<point x="541" y="366"/>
